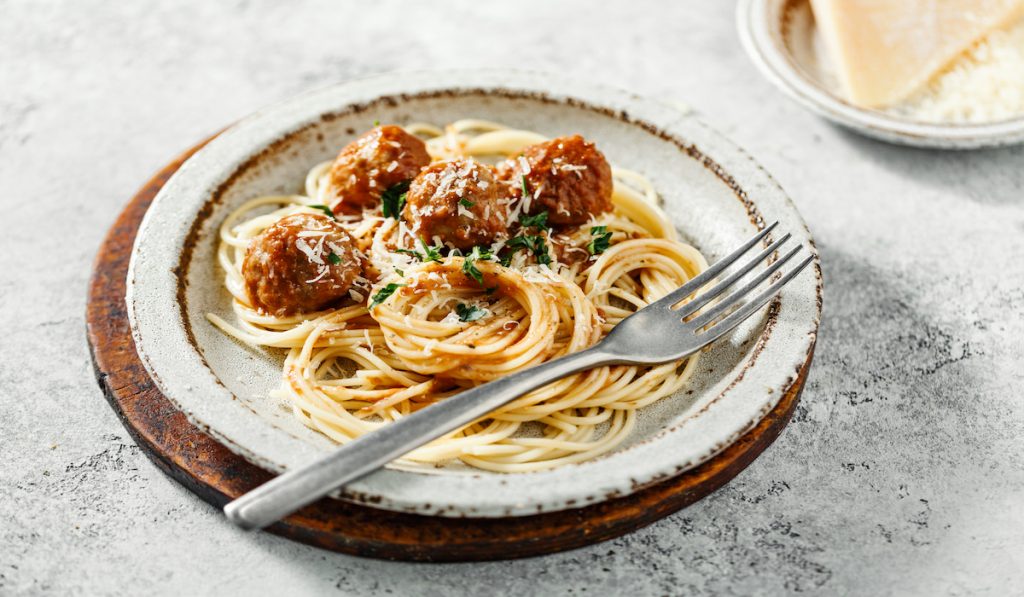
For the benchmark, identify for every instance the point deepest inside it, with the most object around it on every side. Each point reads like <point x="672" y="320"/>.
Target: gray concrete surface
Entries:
<point x="902" y="473"/>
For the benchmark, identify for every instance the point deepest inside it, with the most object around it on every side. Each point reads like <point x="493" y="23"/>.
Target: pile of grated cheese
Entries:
<point x="985" y="84"/>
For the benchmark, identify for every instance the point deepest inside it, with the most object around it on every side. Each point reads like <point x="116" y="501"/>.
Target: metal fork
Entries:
<point x="658" y="333"/>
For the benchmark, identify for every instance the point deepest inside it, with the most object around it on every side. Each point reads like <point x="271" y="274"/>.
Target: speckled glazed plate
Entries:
<point x="716" y="195"/>
<point x="781" y="38"/>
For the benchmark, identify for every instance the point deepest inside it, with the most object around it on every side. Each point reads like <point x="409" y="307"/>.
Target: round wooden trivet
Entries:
<point x="217" y="475"/>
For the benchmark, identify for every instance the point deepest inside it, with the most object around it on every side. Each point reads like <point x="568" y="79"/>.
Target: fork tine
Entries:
<point x="717" y="310"/>
<point x="709" y="274"/>
<point x="705" y="297"/>
<point x="734" y="319"/>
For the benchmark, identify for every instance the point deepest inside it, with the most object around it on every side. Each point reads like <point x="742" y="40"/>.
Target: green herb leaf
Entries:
<point x="533" y="243"/>
<point x="430" y="253"/>
<point x="513" y="246"/>
<point x="526" y="187"/>
<point x="480" y="253"/>
<point x="400" y="272"/>
<point x="601" y="240"/>
<point x="521" y="242"/>
<point x="393" y="199"/>
<point x="535" y="221"/>
<point x="334" y="259"/>
<point x="415" y="254"/>
<point x="466" y="203"/>
<point x="376" y="123"/>
<point x="469" y="263"/>
<point x="469" y="312"/>
<point x="327" y="211"/>
<point x="471" y="270"/>
<point x="384" y="293"/>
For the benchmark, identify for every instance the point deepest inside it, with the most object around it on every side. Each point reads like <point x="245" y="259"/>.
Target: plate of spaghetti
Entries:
<point x="340" y="260"/>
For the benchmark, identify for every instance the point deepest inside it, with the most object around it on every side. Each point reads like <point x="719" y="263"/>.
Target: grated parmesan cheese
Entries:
<point x="985" y="84"/>
<point x="452" y="318"/>
<point x="323" y="272"/>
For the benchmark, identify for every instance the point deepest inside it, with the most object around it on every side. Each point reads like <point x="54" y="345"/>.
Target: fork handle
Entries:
<point x="292" y="490"/>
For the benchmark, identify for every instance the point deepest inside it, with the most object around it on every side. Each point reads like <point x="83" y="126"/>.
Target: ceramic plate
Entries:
<point x="781" y="39"/>
<point x="715" y="194"/>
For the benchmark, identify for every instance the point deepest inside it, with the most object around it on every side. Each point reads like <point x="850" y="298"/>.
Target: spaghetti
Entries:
<point x="427" y="322"/>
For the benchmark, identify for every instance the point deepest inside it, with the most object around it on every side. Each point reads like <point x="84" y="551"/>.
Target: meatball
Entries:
<point x="567" y="177"/>
<point x="302" y="263"/>
<point x="458" y="202"/>
<point x="365" y="168"/>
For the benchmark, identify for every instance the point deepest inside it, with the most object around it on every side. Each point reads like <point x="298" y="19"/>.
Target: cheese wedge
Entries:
<point x="884" y="50"/>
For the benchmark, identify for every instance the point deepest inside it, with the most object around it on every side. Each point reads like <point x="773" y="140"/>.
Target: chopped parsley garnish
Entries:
<point x="536" y="221"/>
<point x="384" y="293"/>
<point x="466" y="203"/>
<point x="393" y="199"/>
<point x="469" y="263"/>
<point x="602" y="238"/>
<point x="469" y="312"/>
<point x="399" y="272"/>
<point x="376" y="123"/>
<point x="533" y="243"/>
<point x="471" y="270"/>
<point x="430" y="253"/>
<point x="327" y="211"/>
<point x="526" y="187"/>
<point x="334" y="259"/>
<point x="521" y="242"/>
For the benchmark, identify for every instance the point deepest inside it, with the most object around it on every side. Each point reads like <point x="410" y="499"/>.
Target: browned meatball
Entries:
<point x="458" y="202"/>
<point x="567" y="177"/>
<point x="368" y="166"/>
<point x="303" y="263"/>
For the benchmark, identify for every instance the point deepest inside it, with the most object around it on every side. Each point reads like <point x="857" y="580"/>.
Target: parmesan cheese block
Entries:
<point x="884" y="50"/>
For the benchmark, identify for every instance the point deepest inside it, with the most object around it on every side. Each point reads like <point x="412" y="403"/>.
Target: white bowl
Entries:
<point x="714" y="192"/>
<point x="779" y="36"/>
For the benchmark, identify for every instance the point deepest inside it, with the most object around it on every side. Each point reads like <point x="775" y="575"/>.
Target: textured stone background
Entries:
<point x="902" y="473"/>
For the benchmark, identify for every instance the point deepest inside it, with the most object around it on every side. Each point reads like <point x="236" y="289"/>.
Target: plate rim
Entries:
<point x="754" y="26"/>
<point x="379" y="490"/>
